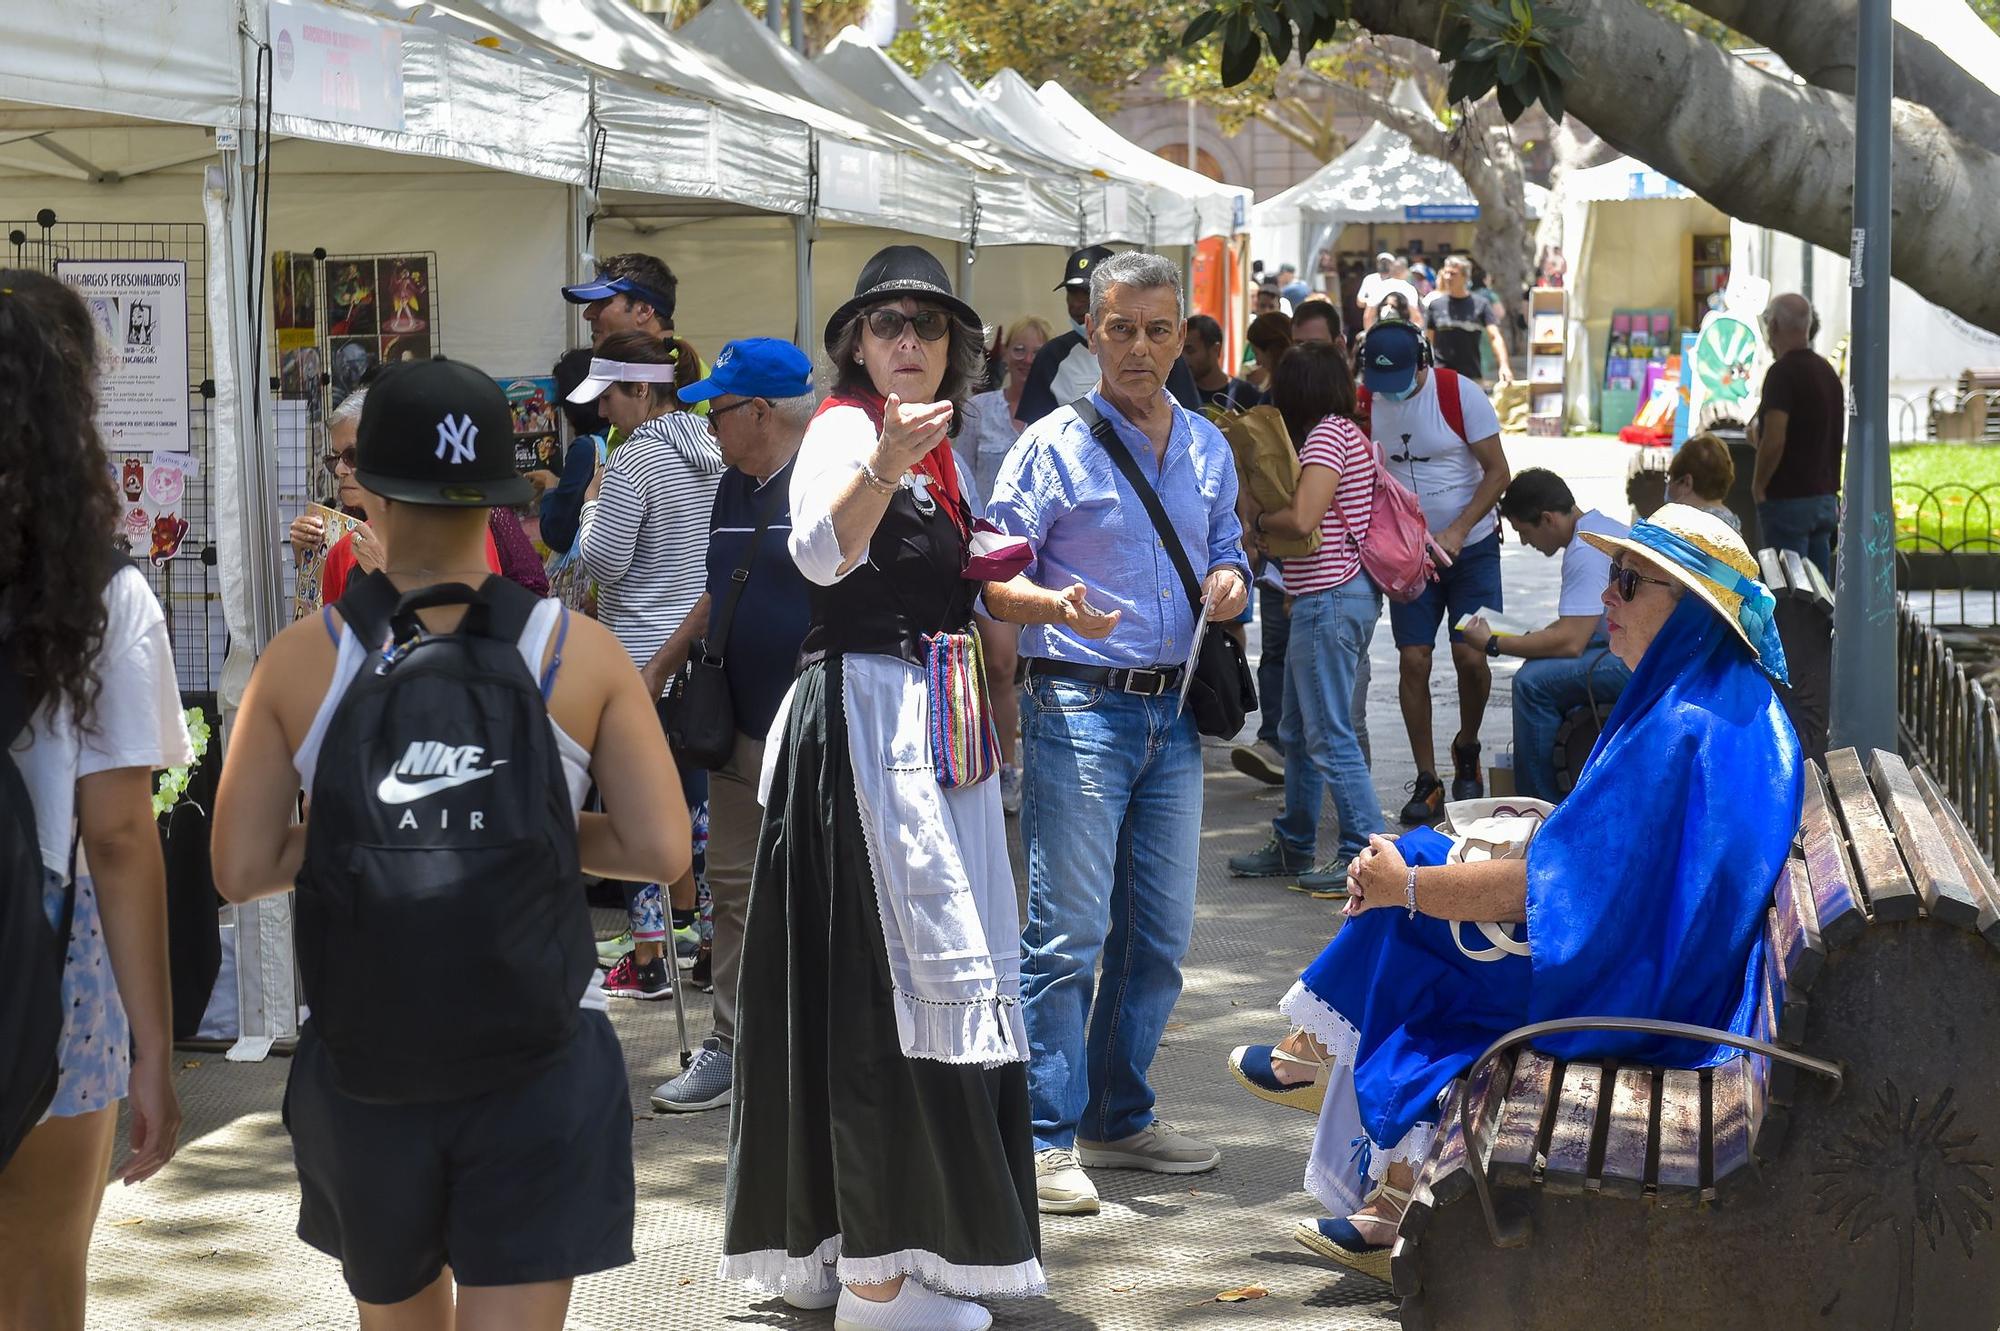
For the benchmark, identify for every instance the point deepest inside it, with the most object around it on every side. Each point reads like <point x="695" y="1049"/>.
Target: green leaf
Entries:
<point x="1528" y="86"/>
<point x="1469" y="80"/>
<point x="1240" y="50"/>
<point x="1556" y="64"/>
<point x="1483" y="49"/>
<point x="1510" y="64"/>
<point x="1552" y="97"/>
<point x="1511" y="106"/>
<point x="1486" y="16"/>
<point x="1522" y="13"/>
<point x="1453" y="45"/>
<point x="1553" y="22"/>
<point x="1277" y="31"/>
<point x="1204" y="24"/>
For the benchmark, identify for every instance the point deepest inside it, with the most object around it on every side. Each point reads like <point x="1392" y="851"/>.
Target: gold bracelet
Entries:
<point x="874" y="481"/>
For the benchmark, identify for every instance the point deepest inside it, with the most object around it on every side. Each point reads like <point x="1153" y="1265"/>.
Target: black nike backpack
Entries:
<point x="443" y="938"/>
<point x="31" y="953"/>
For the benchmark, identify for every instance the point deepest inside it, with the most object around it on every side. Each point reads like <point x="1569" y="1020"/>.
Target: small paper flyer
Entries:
<point x="1194" y="653"/>
<point x="306" y="592"/>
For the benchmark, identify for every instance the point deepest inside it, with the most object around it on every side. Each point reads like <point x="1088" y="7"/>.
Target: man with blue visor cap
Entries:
<point x="632" y="293"/>
<point x="760" y="399"/>
<point x="1440" y="437"/>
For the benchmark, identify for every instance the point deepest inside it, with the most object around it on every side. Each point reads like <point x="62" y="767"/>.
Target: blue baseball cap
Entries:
<point x="605" y="287"/>
<point x="1390" y="355"/>
<point x="754" y="367"/>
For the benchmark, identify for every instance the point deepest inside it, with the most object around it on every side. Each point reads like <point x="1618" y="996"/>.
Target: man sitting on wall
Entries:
<point x="1567" y="661"/>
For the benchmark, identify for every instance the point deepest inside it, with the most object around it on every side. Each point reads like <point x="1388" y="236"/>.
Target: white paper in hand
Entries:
<point x="1194" y="652"/>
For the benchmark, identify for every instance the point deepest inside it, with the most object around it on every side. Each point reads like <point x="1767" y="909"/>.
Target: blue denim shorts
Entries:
<point x="1472" y="582"/>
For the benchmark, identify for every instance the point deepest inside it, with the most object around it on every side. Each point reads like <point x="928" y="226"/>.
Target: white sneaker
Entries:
<point x="915" y="1308"/>
<point x="1156" y="1148"/>
<point x="1010" y="790"/>
<point x="1061" y="1186"/>
<point x="818" y="1296"/>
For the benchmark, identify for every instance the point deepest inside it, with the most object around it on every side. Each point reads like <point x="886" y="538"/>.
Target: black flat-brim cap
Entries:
<point x="438" y="433"/>
<point x="1076" y="272"/>
<point x="900" y="270"/>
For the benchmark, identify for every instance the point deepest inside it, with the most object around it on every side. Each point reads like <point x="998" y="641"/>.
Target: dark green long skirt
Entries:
<point x="840" y="1147"/>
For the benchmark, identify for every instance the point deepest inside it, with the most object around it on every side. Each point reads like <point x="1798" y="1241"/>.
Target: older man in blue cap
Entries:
<point x="753" y="617"/>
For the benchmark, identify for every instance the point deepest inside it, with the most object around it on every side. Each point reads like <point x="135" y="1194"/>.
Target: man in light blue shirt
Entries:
<point x="1111" y="813"/>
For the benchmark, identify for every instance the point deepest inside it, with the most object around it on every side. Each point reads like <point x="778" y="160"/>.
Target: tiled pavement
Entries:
<point x="209" y="1243"/>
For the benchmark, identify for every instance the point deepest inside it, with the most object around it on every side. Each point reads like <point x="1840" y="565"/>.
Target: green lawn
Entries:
<point x="1963" y="503"/>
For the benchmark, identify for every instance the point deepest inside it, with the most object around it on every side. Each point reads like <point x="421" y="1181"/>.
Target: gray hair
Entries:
<point x="349" y="409"/>
<point x="794" y="411"/>
<point x="1789" y="313"/>
<point x="1136" y="269"/>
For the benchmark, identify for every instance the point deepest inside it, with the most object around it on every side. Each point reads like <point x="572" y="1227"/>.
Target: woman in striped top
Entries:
<point x="1336" y="604"/>
<point x="644" y="540"/>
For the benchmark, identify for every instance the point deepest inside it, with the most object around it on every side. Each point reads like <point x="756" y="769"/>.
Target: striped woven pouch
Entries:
<point x="965" y="749"/>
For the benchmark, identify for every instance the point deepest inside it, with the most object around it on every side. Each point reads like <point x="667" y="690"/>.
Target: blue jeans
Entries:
<point x="1544" y="692"/>
<point x="1111" y="818"/>
<point x="1805" y="525"/>
<point x="1274" y="632"/>
<point x="1331" y="631"/>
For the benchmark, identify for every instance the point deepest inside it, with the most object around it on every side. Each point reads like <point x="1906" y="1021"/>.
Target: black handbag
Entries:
<point x="697" y="711"/>
<point x="1224" y="690"/>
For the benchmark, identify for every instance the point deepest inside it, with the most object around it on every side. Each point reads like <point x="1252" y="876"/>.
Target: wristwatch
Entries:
<point x="1493" y="645"/>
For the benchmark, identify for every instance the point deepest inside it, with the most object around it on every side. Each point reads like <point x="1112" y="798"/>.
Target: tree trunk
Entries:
<point x="1491" y="165"/>
<point x="1766" y="151"/>
<point x="1816" y="38"/>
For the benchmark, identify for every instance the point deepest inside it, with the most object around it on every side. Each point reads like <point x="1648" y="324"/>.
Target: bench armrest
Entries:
<point x="1515" y="1233"/>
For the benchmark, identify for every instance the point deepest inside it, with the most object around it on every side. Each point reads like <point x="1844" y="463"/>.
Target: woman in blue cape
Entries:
<point x="1643" y="894"/>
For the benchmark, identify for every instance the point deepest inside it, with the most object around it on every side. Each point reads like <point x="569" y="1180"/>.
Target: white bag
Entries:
<point x="1493" y="829"/>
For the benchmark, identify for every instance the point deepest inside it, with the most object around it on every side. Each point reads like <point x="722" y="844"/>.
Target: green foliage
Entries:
<point x="173" y="782"/>
<point x="1097" y="49"/>
<point x="1507" y="48"/>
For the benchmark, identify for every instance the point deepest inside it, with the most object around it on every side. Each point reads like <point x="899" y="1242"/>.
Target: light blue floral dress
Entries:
<point x="96" y="1049"/>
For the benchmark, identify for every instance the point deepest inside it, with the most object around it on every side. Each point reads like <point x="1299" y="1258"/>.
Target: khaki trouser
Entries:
<point x="734" y="821"/>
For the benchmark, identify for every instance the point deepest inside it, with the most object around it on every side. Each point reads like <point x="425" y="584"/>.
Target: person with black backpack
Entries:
<point x="89" y="708"/>
<point x="457" y="1116"/>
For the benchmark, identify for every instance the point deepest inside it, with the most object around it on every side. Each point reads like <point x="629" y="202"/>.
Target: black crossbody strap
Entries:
<point x="1128" y="466"/>
<point x="739" y="578"/>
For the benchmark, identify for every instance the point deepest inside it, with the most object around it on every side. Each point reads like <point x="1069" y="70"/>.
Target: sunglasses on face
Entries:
<point x="888" y="323"/>
<point x="717" y="413"/>
<point x="335" y="461"/>
<point x="1627" y="581"/>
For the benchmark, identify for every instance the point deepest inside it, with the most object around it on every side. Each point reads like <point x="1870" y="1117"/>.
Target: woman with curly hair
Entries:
<point x="89" y="709"/>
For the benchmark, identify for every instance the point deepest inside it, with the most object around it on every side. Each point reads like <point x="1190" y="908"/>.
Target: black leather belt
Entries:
<point x="1150" y="682"/>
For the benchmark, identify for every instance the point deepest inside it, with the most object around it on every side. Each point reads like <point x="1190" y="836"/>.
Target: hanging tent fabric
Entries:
<point x="1128" y="209"/>
<point x="1221" y="209"/>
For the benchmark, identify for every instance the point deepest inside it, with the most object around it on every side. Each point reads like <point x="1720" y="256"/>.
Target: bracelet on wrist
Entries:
<point x="875" y="481"/>
<point x="1410" y="891"/>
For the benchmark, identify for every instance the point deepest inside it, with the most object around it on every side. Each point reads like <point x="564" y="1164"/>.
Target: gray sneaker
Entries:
<point x="1061" y="1186"/>
<point x="1271" y="860"/>
<point x="705" y="1085"/>
<point x="1010" y="790"/>
<point x="1330" y="877"/>
<point x="1157" y="1148"/>
<point x="1259" y="762"/>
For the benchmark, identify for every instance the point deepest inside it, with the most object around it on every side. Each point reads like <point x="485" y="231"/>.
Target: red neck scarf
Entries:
<point x="936" y="464"/>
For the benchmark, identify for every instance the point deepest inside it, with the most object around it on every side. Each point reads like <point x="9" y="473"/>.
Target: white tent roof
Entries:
<point x="1381" y="178"/>
<point x="1129" y="209"/>
<point x="1222" y="209"/>
<point x="1621" y="180"/>
<point x="118" y="68"/>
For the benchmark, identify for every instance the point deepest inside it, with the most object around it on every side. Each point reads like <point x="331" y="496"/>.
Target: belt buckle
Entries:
<point x="1158" y="677"/>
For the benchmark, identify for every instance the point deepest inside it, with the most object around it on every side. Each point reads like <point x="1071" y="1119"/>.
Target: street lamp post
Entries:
<point x="1864" y="613"/>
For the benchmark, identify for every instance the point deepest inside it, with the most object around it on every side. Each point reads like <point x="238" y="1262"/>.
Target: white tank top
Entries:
<point x="533" y="645"/>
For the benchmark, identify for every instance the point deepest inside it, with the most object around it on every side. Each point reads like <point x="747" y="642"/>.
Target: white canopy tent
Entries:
<point x="1220" y="209"/>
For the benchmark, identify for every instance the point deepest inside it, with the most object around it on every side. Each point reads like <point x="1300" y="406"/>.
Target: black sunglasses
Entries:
<point x="1627" y="581"/>
<point x="333" y="461"/>
<point x="887" y="323"/>
<point x="716" y="413"/>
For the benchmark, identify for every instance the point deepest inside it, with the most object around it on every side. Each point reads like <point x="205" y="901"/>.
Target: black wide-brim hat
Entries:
<point x="901" y="270"/>
<point x="438" y="433"/>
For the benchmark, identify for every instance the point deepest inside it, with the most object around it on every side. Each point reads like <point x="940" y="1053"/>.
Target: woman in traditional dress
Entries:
<point x="1643" y="894"/>
<point x="880" y="1156"/>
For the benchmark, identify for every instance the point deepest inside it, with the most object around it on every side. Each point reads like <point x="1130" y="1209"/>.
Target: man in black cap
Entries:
<point x="1066" y="368"/>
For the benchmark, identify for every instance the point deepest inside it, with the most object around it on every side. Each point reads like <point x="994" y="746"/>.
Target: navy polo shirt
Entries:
<point x="771" y="617"/>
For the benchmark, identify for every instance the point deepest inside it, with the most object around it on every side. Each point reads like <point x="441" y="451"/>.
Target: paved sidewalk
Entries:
<point x="210" y="1243"/>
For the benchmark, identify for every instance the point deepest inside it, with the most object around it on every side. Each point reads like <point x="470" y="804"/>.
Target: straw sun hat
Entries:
<point x="1707" y="557"/>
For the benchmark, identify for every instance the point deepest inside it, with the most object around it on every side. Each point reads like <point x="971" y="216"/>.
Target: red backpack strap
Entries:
<point x="1449" y="402"/>
<point x="1364" y="409"/>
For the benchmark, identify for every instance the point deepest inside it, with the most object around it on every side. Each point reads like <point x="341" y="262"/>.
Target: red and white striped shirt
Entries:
<point x="1337" y="443"/>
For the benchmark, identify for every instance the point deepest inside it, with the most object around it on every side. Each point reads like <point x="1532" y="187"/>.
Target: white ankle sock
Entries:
<point x="915" y="1308"/>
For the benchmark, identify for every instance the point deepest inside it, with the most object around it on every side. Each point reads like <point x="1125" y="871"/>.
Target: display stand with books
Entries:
<point x="1640" y="340"/>
<point x="1547" y="346"/>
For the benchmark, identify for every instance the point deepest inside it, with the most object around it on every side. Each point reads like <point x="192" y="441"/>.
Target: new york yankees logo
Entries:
<point x="459" y="435"/>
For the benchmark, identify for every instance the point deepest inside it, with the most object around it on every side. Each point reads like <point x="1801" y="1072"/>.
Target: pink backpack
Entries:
<point x="1397" y="551"/>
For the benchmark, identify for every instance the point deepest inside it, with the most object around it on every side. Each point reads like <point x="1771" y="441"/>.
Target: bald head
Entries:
<point x="1788" y="323"/>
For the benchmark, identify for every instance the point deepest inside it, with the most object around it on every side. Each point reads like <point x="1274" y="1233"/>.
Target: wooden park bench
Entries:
<point x="1839" y="1171"/>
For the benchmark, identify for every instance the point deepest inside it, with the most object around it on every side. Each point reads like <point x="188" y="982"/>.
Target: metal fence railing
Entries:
<point x="1950" y="724"/>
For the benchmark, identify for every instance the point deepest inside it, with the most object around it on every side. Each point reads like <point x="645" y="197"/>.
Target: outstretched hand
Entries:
<point x="909" y="431"/>
<point x="1083" y="618"/>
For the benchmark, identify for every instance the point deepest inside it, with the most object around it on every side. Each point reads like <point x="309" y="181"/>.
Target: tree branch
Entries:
<point x="1816" y="38"/>
<point x="1766" y="151"/>
<point x="1425" y="134"/>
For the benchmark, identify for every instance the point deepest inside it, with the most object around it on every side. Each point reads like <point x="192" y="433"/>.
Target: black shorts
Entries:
<point x="526" y="1184"/>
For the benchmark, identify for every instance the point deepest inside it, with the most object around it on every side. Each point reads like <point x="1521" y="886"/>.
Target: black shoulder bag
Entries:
<point x="697" y="712"/>
<point x="1224" y="691"/>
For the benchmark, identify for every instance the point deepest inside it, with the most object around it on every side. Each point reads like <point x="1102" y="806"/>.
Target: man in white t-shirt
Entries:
<point x="1370" y="294"/>
<point x="1569" y="661"/>
<point x="1448" y="454"/>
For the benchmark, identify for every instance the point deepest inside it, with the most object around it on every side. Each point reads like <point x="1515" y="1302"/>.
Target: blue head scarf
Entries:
<point x="1647" y="888"/>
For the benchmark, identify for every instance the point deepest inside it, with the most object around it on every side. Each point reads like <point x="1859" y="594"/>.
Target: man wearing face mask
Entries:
<point x="1440" y="437"/>
<point x="1065" y="368"/>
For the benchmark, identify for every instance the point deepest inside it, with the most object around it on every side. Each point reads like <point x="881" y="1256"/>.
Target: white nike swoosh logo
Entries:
<point x="395" y="790"/>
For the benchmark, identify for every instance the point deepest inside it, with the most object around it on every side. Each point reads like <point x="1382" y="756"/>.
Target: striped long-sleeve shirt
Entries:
<point x="645" y="537"/>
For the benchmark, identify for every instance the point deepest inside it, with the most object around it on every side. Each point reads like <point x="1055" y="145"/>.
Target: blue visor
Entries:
<point x="604" y="288"/>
